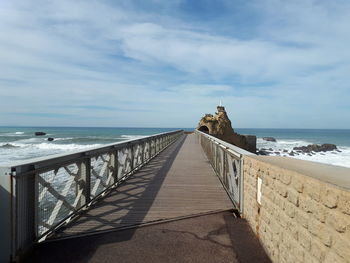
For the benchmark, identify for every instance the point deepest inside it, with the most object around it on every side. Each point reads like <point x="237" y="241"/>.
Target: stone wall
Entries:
<point x="304" y="215"/>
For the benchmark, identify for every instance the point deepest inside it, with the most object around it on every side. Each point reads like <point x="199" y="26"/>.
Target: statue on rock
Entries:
<point x="220" y="126"/>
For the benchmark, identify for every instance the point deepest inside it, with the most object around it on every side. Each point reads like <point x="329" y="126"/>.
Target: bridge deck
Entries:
<point x="178" y="183"/>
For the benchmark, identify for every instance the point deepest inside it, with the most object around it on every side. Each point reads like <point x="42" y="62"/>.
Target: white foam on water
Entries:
<point x="130" y="137"/>
<point x="19" y="133"/>
<point x="332" y="157"/>
<point x="24" y="151"/>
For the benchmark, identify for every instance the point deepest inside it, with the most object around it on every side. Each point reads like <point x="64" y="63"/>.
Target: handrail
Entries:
<point x="226" y="145"/>
<point x="227" y="162"/>
<point x="45" y="193"/>
<point x="38" y="161"/>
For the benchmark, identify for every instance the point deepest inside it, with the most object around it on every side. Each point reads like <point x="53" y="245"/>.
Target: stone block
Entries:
<point x="320" y="212"/>
<point x="285" y="177"/>
<point x="302" y="218"/>
<point x="281" y="189"/>
<point x="330" y="197"/>
<point x="265" y="216"/>
<point x="290" y="209"/>
<point x="344" y="202"/>
<point x="313" y="189"/>
<point x="325" y="235"/>
<point x="278" y="201"/>
<point x="283" y="220"/>
<point x="310" y="259"/>
<point x="292" y="228"/>
<point x="305" y="203"/>
<point x="341" y="247"/>
<point x="297" y="183"/>
<point x="315" y="227"/>
<point x="293" y="197"/>
<point x="332" y="257"/>
<point x="271" y="173"/>
<point x="338" y="221"/>
<point x="304" y="238"/>
<point x="318" y="250"/>
<point x="298" y="251"/>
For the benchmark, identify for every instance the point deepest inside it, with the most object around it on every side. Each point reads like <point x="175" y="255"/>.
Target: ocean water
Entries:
<point x="287" y="139"/>
<point x="20" y="143"/>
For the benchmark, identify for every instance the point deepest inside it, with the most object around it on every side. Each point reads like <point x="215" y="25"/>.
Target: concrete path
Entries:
<point x="219" y="237"/>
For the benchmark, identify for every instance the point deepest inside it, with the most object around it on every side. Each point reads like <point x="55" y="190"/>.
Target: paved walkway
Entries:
<point x="178" y="183"/>
<point x="219" y="238"/>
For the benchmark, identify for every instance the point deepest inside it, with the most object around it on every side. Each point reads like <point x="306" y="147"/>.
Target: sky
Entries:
<point x="138" y="63"/>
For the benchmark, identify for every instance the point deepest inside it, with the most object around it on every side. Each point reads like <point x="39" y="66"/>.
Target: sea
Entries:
<point x="20" y="143"/>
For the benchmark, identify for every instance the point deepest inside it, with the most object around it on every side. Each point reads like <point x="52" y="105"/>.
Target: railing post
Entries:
<point x="132" y="158"/>
<point x="113" y="166"/>
<point x="241" y="182"/>
<point x="6" y="195"/>
<point x="24" y="208"/>
<point x="85" y="175"/>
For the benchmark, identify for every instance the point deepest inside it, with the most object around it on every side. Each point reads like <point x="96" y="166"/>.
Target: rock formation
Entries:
<point x="219" y="125"/>
<point x="316" y="148"/>
<point x="269" y="139"/>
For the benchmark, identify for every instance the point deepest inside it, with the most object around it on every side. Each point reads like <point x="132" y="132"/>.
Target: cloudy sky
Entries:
<point x="137" y="63"/>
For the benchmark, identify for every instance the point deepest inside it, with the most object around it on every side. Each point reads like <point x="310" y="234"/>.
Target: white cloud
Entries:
<point x="90" y="53"/>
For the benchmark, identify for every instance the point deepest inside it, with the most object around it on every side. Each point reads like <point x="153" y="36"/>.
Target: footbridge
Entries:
<point x="171" y="197"/>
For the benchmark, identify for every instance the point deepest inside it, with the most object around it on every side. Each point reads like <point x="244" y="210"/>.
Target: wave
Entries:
<point x="19" y="133"/>
<point x="8" y="146"/>
<point x="64" y="147"/>
<point x="341" y="158"/>
<point x="130" y="137"/>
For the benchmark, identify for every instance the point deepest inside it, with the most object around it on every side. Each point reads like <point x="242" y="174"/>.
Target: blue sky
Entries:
<point x="274" y="64"/>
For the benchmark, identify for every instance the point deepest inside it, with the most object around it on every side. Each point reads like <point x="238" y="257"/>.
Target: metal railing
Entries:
<point x="227" y="161"/>
<point x="46" y="193"/>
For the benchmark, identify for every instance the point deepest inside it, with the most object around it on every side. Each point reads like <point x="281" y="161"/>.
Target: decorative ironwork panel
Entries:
<point x="102" y="172"/>
<point x="59" y="194"/>
<point x="146" y="151"/>
<point x="137" y="155"/>
<point x="233" y="179"/>
<point x="124" y="161"/>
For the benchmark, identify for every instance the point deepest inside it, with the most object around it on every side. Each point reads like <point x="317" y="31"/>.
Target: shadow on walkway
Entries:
<point x="128" y="204"/>
<point x="218" y="237"/>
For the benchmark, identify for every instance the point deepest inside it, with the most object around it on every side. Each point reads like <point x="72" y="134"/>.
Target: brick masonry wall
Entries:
<point x="300" y="219"/>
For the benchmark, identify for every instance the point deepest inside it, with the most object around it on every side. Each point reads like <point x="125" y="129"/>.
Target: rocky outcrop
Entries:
<point x="316" y="148"/>
<point x="269" y="139"/>
<point x="40" y="133"/>
<point x="50" y="139"/>
<point x="310" y="150"/>
<point x="219" y="125"/>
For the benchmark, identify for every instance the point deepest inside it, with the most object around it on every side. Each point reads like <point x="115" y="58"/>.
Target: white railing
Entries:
<point x="40" y="195"/>
<point x="227" y="161"/>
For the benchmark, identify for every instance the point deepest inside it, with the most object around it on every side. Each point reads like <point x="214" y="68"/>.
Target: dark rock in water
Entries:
<point x="291" y="153"/>
<point x="40" y="133"/>
<point x="316" y="148"/>
<point x="8" y="146"/>
<point x="261" y="152"/>
<point x="309" y="154"/>
<point x="270" y="149"/>
<point x="263" y="149"/>
<point x="278" y="153"/>
<point x="50" y="139"/>
<point x="285" y="151"/>
<point x="269" y="139"/>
